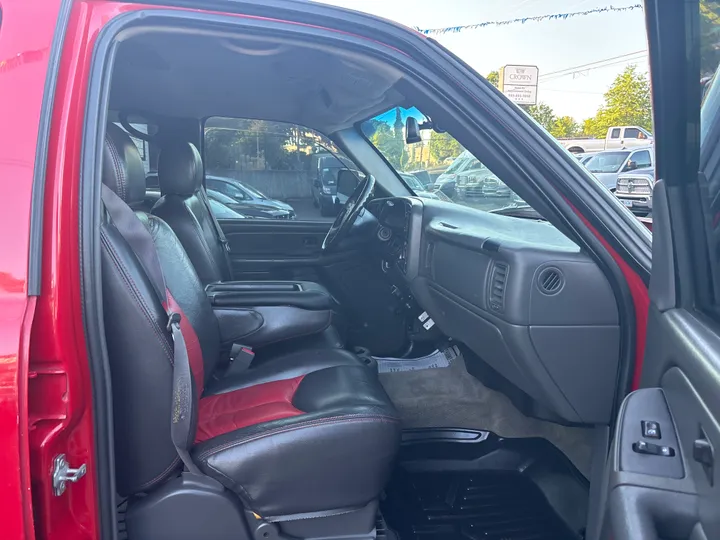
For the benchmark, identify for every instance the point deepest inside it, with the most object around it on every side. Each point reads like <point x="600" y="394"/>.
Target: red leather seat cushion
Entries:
<point x="222" y="413"/>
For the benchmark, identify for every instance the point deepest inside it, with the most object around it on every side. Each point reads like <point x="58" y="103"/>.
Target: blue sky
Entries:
<point x="551" y="45"/>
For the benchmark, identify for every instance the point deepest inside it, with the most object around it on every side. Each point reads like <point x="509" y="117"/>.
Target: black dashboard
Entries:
<point x="521" y="295"/>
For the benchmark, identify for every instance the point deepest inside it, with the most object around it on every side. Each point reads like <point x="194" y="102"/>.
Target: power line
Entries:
<point x="627" y="61"/>
<point x="583" y="67"/>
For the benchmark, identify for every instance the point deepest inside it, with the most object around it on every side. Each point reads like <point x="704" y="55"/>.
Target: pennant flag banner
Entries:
<point x="523" y="20"/>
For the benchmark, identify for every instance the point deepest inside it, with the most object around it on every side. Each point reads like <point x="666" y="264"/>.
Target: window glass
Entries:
<point x="709" y="88"/>
<point x="606" y="162"/>
<point x="438" y="167"/>
<point x="615" y="133"/>
<point x="631" y="133"/>
<point x="273" y="170"/>
<point x="642" y="159"/>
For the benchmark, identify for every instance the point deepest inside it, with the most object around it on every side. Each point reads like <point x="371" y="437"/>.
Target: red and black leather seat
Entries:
<point x="301" y="442"/>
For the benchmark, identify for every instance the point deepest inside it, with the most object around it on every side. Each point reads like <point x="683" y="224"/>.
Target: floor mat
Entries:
<point x="451" y="397"/>
<point x="485" y="505"/>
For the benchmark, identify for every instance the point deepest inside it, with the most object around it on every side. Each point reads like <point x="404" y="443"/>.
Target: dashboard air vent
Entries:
<point x="498" y="280"/>
<point x="551" y="281"/>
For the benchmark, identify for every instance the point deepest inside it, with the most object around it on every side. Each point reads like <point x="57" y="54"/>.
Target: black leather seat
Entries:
<point x="287" y="309"/>
<point x="180" y="175"/>
<point x="298" y="445"/>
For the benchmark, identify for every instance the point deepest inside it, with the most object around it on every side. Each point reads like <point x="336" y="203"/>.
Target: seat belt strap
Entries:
<point x="218" y="230"/>
<point x="183" y="405"/>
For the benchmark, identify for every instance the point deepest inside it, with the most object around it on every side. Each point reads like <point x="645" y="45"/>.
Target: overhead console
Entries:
<point x="522" y="297"/>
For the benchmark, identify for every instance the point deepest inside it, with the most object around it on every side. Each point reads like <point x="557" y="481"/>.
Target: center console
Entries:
<point x="261" y="313"/>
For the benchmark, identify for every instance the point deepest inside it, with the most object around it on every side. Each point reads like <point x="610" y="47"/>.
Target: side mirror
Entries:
<point x="412" y="131"/>
<point x="347" y="182"/>
<point x="631" y="166"/>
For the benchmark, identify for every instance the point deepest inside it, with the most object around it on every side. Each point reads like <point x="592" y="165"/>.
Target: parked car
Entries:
<point x="424" y="177"/>
<point x="414" y="183"/>
<point x="466" y="170"/>
<point x="617" y="137"/>
<point x="585" y="157"/>
<point x="249" y="200"/>
<point x="237" y="196"/>
<point x="635" y="189"/>
<point x="249" y="210"/>
<point x="475" y="186"/>
<point x="606" y="166"/>
<point x="324" y="168"/>
<point x="219" y="210"/>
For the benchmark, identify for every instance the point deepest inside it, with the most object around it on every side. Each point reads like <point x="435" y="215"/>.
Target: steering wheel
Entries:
<point x="348" y="214"/>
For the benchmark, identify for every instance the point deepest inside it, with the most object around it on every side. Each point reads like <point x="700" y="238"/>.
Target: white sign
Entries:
<point x="519" y="84"/>
<point x="520" y="75"/>
<point x="522" y="95"/>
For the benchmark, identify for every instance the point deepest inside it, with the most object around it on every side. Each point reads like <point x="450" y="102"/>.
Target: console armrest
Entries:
<point x="300" y="294"/>
<point x="265" y="325"/>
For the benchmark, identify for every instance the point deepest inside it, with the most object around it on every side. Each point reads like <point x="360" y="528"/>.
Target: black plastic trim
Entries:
<point x="34" y="282"/>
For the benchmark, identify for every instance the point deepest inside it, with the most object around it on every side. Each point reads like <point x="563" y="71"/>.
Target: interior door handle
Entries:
<point x="704" y="454"/>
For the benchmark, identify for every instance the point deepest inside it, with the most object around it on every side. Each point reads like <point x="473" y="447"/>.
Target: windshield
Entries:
<point x="606" y="162"/>
<point x="253" y="192"/>
<point x="438" y="167"/>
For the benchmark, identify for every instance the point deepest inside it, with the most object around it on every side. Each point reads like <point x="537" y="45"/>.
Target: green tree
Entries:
<point x="386" y="140"/>
<point x="494" y="78"/>
<point x="542" y="113"/>
<point x="565" y="126"/>
<point x="443" y="146"/>
<point x="709" y="36"/>
<point x="627" y="103"/>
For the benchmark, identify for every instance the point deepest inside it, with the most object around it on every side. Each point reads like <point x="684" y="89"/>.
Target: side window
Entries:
<point x="642" y="159"/>
<point x="273" y="170"/>
<point x="615" y="134"/>
<point x="438" y="167"/>
<point x="632" y="133"/>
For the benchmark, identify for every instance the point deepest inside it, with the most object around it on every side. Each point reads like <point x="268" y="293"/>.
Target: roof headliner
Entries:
<point x="197" y="75"/>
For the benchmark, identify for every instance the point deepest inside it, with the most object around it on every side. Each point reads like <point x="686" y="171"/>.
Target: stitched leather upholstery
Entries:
<point x="307" y="431"/>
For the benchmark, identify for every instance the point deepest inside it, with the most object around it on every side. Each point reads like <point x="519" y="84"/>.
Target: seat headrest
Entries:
<point x="180" y="169"/>
<point x="122" y="166"/>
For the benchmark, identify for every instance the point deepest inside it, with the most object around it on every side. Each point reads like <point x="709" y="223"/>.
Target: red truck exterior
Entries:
<point x="45" y="392"/>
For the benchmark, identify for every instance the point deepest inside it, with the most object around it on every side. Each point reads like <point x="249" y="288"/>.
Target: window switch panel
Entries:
<point x="642" y="447"/>
<point x="651" y="429"/>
